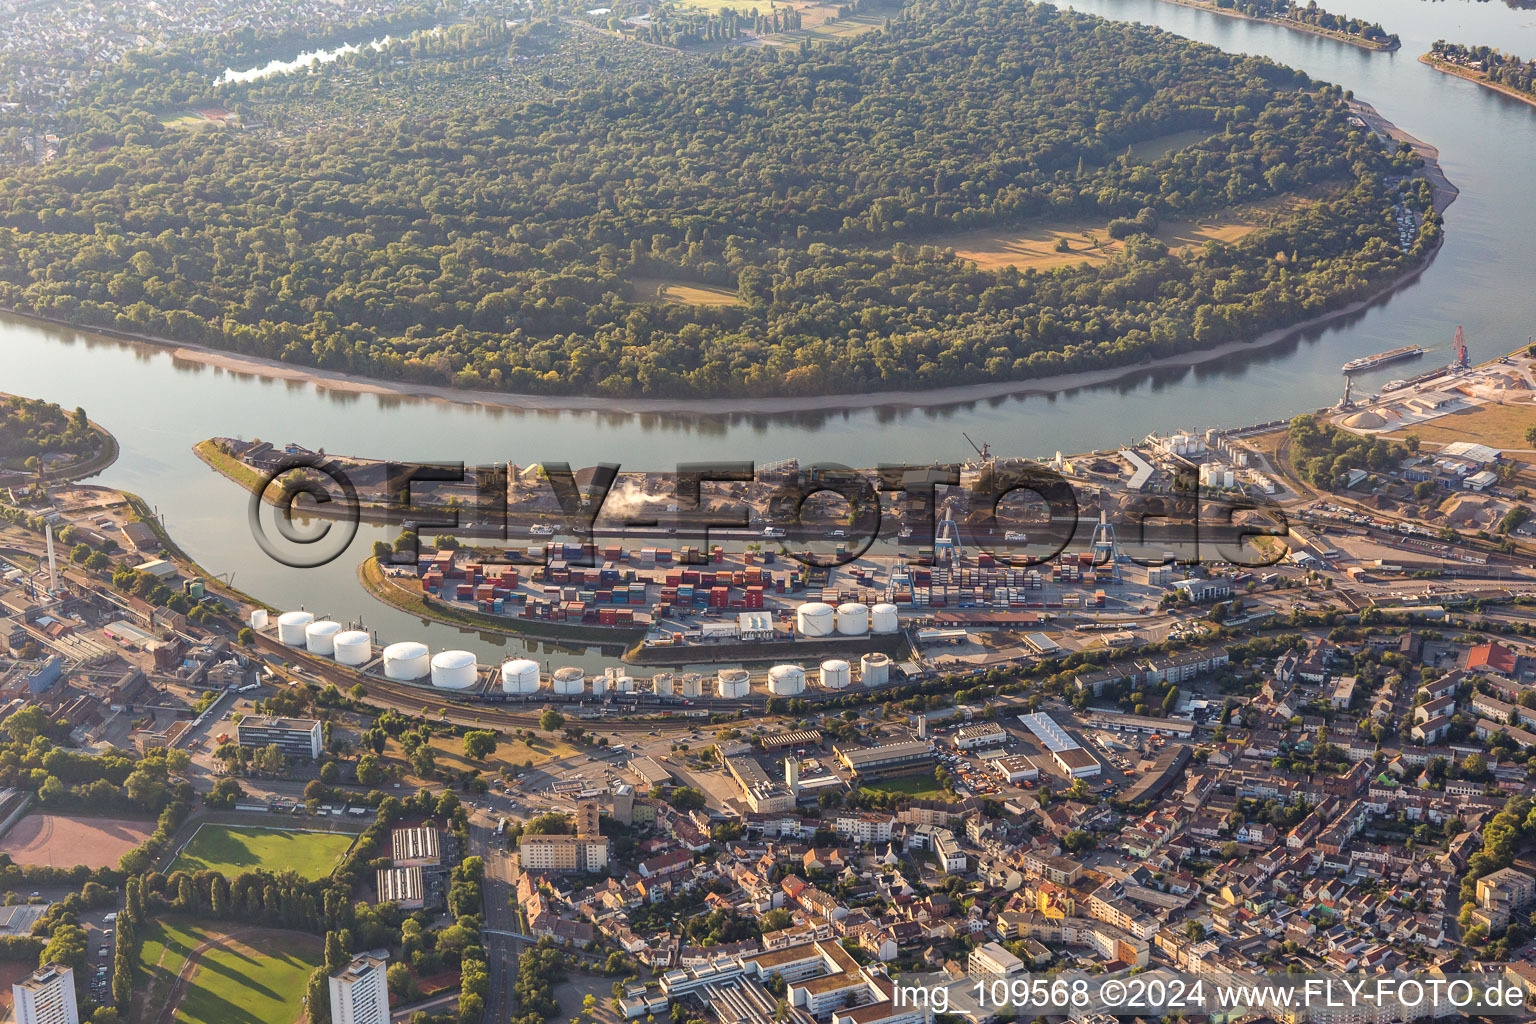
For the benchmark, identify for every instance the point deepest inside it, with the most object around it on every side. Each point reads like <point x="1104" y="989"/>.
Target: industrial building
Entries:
<point x="1076" y="762"/>
<point x="888" y="759"/>
<point x="360" y="990"/>
<point x="416" y="848"/>
<point x="1015" y="768"/>
<point x="761" y="792"/>
<point x="1118" y="722"/>
<point x="295" y="737"/>
<point x="46" y="996"/>
<point x="402" y="886"/>
<point x="987" y="734"/>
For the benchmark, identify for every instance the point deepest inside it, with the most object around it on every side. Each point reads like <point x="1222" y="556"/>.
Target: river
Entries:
<point x="159" y="406"/>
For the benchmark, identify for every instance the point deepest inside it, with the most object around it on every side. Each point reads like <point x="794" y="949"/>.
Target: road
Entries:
<point x="501" y="950"/>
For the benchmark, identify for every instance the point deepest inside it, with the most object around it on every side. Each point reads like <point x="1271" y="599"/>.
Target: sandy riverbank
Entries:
<point x="330" y="380"/>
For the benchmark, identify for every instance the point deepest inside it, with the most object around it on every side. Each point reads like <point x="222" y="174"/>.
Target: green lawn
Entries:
<point x="257" y="978"/>
<point x="921" y="787"/>
<point x="230" y="850"/>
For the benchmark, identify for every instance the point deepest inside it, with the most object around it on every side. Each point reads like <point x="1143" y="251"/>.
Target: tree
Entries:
<point x="480" y="744"/>
<point x="550" y="721"/>
<point x="368" y="772"/>
<point x="1194" y="931"/>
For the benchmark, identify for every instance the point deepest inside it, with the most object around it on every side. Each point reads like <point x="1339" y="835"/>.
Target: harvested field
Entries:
<point x="658" y="290"/>
<point x="65" y="840"/>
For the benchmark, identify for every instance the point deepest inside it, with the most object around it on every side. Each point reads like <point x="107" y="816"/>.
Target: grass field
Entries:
<point x="1089" y="242"/>
<point x="921" y="787"/>
<point x="245" y="976"/>
<point x="1498" y="426"/>
<point x="1161" y="145"/>
<point x="230" y="850"/>
<point x="650" y="289"/>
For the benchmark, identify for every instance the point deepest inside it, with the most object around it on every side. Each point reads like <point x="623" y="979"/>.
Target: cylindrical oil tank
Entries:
<point x="692" y="684"/>
<point x="815" y="619"/>
<point x="258" y="618"/>
<point x="874" y="669"/>
<point x="291" y="626"/>
<point x="835" y="674"/>
<point x="733" y="683"/>
<point x="661" y="684"/>
<point x="320" y="637"/>
<point x="520" y="675"/>
<point x="883" y="619"/>
<point x="787" y="680"/>
<point x="624" y="684"/>
<point x="600" y="686"/>
<point x="406" y="660"/>
<point x="352" y="647"/>
<point x="568" y="681"/>
<point x="853" y="619"/>
<point x="454" y="670"/>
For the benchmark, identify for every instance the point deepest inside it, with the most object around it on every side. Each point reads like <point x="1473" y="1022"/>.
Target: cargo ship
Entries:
<point x="1380" y="358"/>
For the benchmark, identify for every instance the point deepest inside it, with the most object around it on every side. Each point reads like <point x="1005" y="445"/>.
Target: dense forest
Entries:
<point x="1501" y="68"/>
<point x="497" y="247"/>
<point x="30" y="428"/>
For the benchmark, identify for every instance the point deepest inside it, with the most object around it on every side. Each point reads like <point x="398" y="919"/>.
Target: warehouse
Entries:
<point x="987" y="734"/>
<point x="401" y="886"/>
<point x="1179" y="727"/>
<point x="415" y="848"/>
<point x="888" y="759"/>
<point x="1015" y="769"/>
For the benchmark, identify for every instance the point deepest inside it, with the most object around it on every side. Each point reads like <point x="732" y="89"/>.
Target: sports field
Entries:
<point x="65" y="840"/>
<point x="230" y="849"/>
<point x="921" y="787"/>
<point x="225" y="974"/>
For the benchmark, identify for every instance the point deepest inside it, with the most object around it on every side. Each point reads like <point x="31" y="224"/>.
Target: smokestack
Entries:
<point x="53" y="568"/>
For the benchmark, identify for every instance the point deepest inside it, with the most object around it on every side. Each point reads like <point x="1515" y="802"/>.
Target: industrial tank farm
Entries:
<point x="733" y="683"/>
<point x="786" y="680"/>
<point x="320" y="637"/>
<point x="406" y="661"/>
<point x="569" y="681"/>
<point x="520" y="676"/>
<point x="835" y="674"/>
<point x="454" y="670"/>
<point x="291" y="627"/>
<point x="352" y="647"/>
<point x="853" y="619"/>
<point x="874" y="669"/>
<point x="815" y="619"/>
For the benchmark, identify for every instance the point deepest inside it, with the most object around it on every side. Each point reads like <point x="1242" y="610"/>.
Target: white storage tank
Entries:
<point x="600" y="685"/>
<point x="661" y="684"/>
<point x="454" y="670"/>
<point x="787" y="680"/>
<point x="733" y="683"/>
<point x="815" y="618"/>
<point x="406" y="660"/>
<point x="258" y="618"/>
<point x="883" y="619"/>
<point x="692" y="684"/>
<point x="320" y="637"/>
<point x="569" y="681"/>
<point x="874" y="669"/>
<point x="352" y="647"/>
<point x="853" y="619"/>
<point x="520" y="675"/>
<point x="291" y="626"/>
<point x="836" y="674"/>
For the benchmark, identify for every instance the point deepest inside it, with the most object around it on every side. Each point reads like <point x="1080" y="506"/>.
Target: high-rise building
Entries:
<point x="46" y="997"/>
<point x="360" y="990"/>
<point x="587" y="813"/>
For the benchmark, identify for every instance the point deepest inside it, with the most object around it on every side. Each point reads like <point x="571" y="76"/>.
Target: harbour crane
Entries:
<point x="983" y="451"/>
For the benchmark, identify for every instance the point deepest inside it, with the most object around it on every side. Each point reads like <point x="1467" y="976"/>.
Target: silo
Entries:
<point x="874" y="669"/>
<point x="406" y="660"/>
<point x="320" y="637"/>
<point x="692" y="684"/>
<point x="454" y="670"/>
<point x="291" y="626"/>
<point x="569" y="681"/>
<point x="733" y="683"/>
<point x="520" y="675"/>
<point x="352" y="647"/>
<point x="815" y="619"/>
<point x="883" y="619"/>
<point x="600" y="685"/>
<point x="853" y="619"/>
<point x="661" y="684"/>
<point x="258" y="618"/>
<point x="835" y="674"/>
<point x="787" y="680"/>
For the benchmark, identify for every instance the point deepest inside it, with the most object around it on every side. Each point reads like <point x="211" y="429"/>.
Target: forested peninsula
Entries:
<point x="502" y="247"/>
